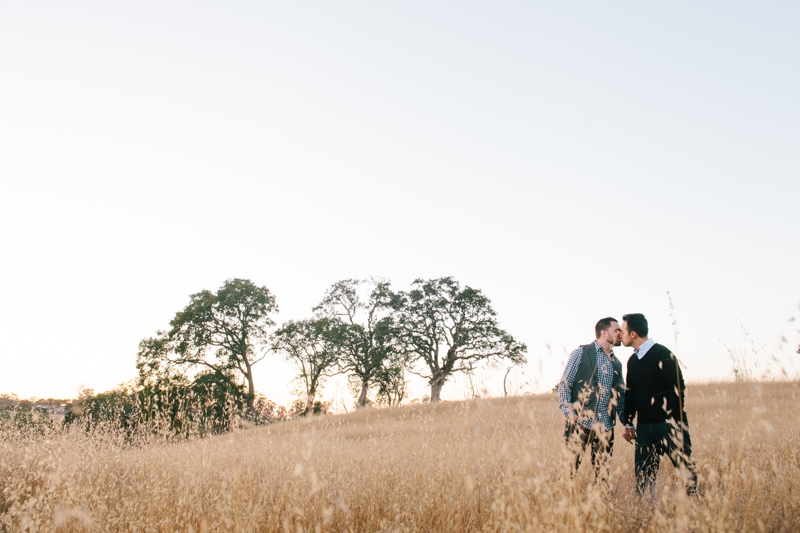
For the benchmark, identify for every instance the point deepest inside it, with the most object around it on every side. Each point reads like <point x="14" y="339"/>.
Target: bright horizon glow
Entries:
<point x="572" y="161"/>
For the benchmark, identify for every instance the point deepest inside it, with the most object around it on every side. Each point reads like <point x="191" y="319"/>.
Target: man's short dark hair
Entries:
<point x="637" y="323"/>
<point x="602" y="325"/>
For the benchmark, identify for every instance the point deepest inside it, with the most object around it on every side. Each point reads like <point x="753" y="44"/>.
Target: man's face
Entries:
<point x="613" y="334"/>
<point x="627" y="338"/>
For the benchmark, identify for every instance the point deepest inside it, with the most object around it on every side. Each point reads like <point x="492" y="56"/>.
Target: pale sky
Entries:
<point x="573" y="160"/>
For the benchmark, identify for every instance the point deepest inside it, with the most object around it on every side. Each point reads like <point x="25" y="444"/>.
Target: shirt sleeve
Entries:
<point x="620" y="411"/>
<point x="565" y="385"/>
<point x="672" y="374"/>
<point x="629" y="411"/>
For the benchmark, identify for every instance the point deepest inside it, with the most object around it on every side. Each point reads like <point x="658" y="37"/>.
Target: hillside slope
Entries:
<point x="483" y="465"/>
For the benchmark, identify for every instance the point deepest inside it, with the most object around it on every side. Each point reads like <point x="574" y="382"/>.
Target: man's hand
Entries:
<point x="629" y="434"/>
<point x="574" y="419"/>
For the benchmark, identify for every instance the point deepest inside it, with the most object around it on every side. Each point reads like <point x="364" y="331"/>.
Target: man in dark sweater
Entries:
<point x="654" y="396"/>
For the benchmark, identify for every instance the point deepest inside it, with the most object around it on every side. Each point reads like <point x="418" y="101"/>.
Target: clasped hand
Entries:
<point x="629" y="434"/>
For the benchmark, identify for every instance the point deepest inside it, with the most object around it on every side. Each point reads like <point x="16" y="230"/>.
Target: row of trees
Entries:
<point x="361" y="328"/>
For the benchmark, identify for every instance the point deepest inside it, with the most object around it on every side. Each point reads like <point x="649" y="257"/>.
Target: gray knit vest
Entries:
<point x="586" y="381"/>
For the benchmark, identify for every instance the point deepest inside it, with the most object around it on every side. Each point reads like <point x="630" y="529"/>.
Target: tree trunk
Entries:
<point x="310" y="403"/>
<point x="362" y="398"/>
<point x="436" y="389"/>
<point x="251" y="391"/>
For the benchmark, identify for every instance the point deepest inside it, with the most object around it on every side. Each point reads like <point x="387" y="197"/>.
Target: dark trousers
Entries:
<point x="656" y="440"/>
<point x="599" y="442"/>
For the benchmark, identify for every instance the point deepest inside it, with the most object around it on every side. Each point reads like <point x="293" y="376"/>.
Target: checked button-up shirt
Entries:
<point x="605" y="383"/>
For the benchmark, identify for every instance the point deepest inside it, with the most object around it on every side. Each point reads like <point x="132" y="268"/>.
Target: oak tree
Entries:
<point x="391" y="383"/>
<point x="367" y="336"/>
<point x="224" y="331"/>
<point x="448" y="329"/>
<point x="314" y="346"/>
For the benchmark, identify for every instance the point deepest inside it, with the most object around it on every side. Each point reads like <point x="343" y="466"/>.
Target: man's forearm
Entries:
<point x="565" y="385"/>
<point x="630" y="408"/>
<point x="563" y="401"/>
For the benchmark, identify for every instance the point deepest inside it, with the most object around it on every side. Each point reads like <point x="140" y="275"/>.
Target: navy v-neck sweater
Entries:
<point x="654" y="388"/>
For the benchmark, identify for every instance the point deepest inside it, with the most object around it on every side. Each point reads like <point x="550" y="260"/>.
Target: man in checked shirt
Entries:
<point x="591" y="393"/>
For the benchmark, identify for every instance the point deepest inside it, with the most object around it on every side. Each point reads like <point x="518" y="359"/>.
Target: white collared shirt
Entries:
<point x="644" y="348"/>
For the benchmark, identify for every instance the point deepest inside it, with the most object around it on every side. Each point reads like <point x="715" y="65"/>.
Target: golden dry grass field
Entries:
<point x="483" y="465"/>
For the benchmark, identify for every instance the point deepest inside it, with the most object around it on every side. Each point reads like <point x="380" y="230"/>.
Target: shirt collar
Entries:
<point x="644" y="348"/>
<point x="599" y="349"/>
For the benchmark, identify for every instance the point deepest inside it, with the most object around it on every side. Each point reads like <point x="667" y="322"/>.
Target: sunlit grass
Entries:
<point x="488" y="465"/>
